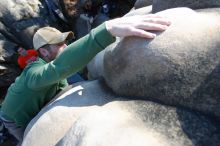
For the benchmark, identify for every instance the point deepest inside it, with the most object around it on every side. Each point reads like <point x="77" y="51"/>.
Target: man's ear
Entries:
<point x="44" y="52"/>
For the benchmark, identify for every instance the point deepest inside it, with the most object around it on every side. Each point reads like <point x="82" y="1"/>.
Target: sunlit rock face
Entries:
<point x="123" y="123"/>
<point x="89" y="114"/>
<point x="159" y="5"/>
<point x="51" y="124"/>
<point x="179" y="67"/>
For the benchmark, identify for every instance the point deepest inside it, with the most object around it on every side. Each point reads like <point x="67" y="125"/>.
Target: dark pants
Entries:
<point x="14" y="129"/>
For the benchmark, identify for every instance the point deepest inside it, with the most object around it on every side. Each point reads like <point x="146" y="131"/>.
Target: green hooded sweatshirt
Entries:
<point x="41" y="81"/>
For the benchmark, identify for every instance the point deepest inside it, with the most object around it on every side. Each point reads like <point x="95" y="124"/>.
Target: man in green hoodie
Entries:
<point x="41" y="80"/>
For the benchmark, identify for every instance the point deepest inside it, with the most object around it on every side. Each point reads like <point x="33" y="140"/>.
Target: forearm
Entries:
<point x="79" y="53"/>
<point x="71" y="60"/>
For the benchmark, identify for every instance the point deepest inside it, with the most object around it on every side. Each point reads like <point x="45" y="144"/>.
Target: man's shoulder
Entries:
<point x="37" y="63"/>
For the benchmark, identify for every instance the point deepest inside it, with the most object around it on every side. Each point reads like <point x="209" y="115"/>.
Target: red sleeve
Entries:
<point x="32" y="52"/>
<point x="22" y="61"/>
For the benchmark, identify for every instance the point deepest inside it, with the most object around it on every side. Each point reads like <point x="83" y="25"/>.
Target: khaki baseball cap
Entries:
<point x="50" y="35"/>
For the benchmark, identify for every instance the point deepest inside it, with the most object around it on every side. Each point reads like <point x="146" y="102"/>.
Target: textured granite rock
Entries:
<point x="51" y="124"/>
<point x="89" y="114"/>
<point x="179" y="67"/>
<point x="123" y="123"/>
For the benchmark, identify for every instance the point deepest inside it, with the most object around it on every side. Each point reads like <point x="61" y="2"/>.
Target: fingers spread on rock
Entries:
<point x="152" y="26"/>
<point x="142" y="33"/>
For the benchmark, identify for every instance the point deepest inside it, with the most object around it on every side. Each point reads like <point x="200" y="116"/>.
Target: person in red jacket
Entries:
<point x="26" y="57"/>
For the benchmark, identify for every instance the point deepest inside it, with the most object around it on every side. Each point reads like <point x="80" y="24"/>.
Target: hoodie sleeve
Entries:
<point x="72" y="59"/>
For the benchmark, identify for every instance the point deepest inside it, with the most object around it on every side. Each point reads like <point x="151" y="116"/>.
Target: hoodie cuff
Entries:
<point x="102" y="36"/>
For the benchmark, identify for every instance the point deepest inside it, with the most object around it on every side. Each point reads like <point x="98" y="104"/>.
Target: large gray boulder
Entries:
<point x="123" y="123"/>
<point x="89" y="114"/>
<point x="160" y="5"/>
<point x="179" y="67"/>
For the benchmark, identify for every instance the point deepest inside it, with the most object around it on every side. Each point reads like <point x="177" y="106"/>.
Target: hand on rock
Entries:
<point x="137" y="25"/>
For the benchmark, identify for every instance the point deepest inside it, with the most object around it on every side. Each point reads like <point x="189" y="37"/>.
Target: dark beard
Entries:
<point x="71" y="9"/>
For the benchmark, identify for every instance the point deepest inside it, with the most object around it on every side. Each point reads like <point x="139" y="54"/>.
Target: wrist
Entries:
<point x="108" y="26"/>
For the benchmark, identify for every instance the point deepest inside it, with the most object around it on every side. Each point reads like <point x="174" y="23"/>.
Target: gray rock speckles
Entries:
<point x="179" y="67"/>
<point x="97" y="117"/>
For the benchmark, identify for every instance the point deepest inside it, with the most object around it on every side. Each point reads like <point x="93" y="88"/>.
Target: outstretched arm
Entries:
<point x="79" y="53"/>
